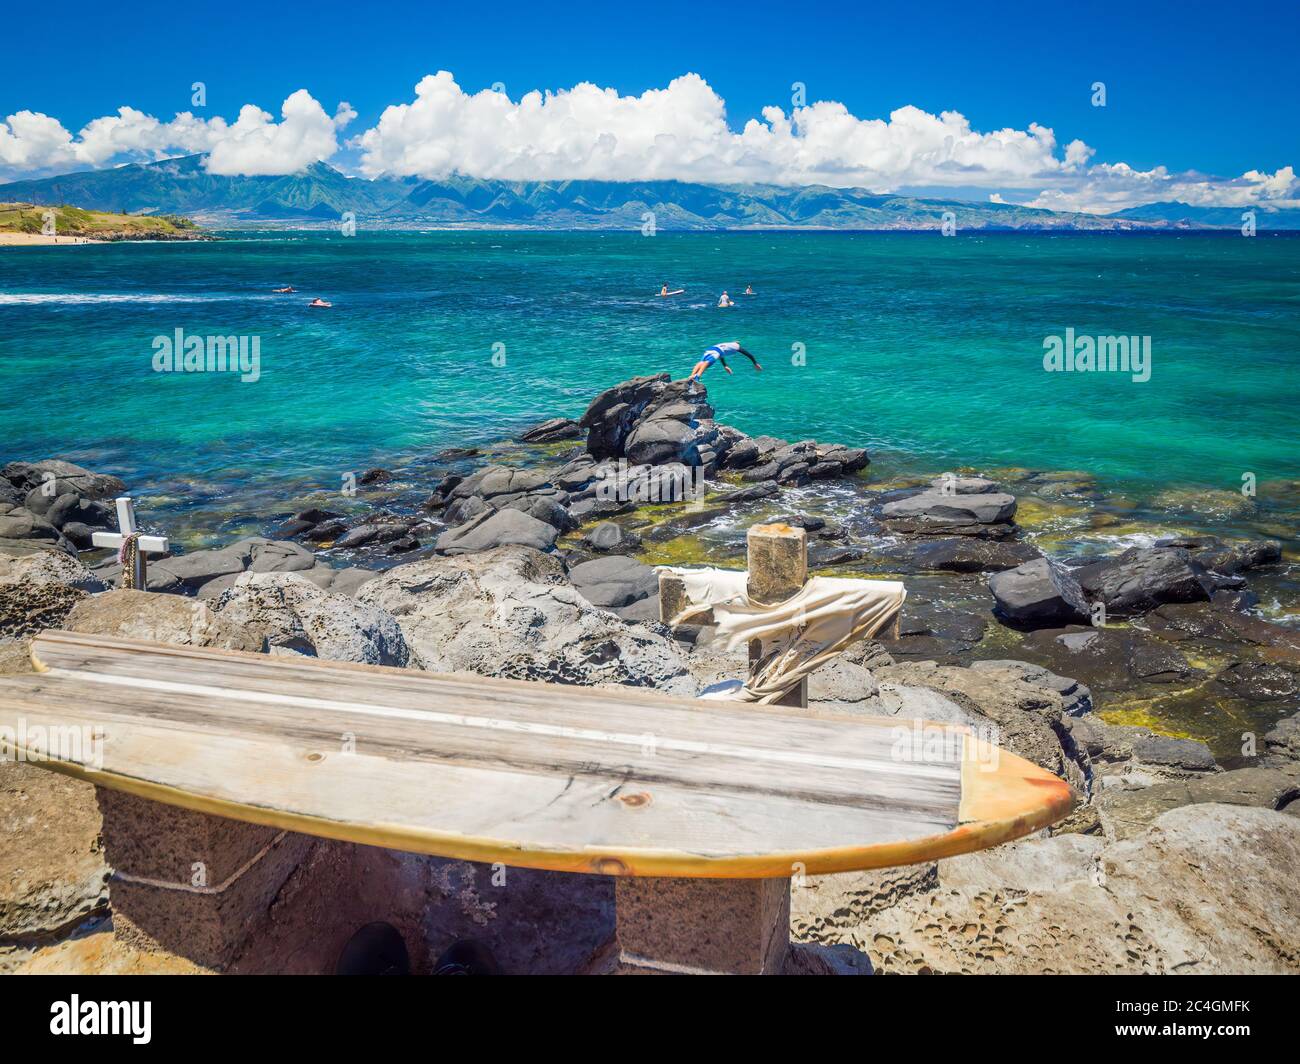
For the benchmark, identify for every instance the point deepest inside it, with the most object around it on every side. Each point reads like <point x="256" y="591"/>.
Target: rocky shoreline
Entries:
<point x="1146" y="677"/>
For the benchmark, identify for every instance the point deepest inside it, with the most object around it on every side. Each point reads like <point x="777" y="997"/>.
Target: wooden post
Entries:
<point x="778" y="568"/>
<point x="738" y="926"/>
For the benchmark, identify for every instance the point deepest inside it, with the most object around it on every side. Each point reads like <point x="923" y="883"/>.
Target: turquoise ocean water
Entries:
<point x="916" y="345"/>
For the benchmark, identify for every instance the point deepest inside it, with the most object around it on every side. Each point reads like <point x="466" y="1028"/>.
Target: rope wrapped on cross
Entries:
<point x="132" y="545"/>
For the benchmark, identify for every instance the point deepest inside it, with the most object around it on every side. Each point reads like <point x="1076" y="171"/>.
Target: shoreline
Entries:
<point x="41" y="240"/>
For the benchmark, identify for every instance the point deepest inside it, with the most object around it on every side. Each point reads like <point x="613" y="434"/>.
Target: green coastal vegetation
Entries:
<point x="96" y="225"/>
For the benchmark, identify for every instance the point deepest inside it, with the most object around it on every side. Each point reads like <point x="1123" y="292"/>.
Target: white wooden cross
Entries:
<point x="144" y="544"/>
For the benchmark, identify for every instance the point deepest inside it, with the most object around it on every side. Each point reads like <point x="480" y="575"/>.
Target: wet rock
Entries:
<point x="611" y="537"/>
<point x="951" y="484"/>
<point x="762" y="490"/>
<point x="375" y="476"/>
<point x="496" y="528"/>
<point x="551" y="431"/>
<point x="1154" y="663"/>
<point x="1259" y="681"/>
<point x="455" y="454"/>
<point x="1229" y="558"/>
<point x="1038" y="592"/>
<point x="513" y="612"/>
<point x="936" y="507"/>
<point x="1142" y="578"/>
<point x="966" y="554"/>
<point x="326" y="532"/>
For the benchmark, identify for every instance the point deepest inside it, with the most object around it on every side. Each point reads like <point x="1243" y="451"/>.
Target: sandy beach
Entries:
<point x="41" y="240"/>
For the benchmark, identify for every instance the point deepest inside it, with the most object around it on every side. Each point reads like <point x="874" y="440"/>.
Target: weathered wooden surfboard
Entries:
<point x="576" y="779"/>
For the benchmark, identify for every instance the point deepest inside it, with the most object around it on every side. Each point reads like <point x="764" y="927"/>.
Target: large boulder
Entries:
<point x="39" y="589"/>
<point x="1142" y="578"/>
<point x="54" y="477"/>
<point x="52" y="871"/>
<point x="289" y="613"/>
<point x="969" y="554"/>
<point x="609" y="537"/>
<point x="19" y="524"/>
<point x="48" y="567"/>
<point x="499" y="487"/>
<point x="1230" y="558"/>
<point x="653" y="420"/>
<point x="614" y="413"/>
<point x="497" y="528"/>
<point x="158" y="619"/>
<point x="512" y="612"/>
<point x="1207" y="888"/>
<point x="616" y="582"/>
<point x="1039" y="592"/>
<point x="954" y="510"/>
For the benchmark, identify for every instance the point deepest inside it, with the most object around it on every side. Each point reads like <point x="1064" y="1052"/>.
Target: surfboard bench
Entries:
<point x="215" y="768"/>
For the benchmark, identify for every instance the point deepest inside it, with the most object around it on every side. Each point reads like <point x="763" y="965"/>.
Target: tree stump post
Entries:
<point x="736" y="926"/>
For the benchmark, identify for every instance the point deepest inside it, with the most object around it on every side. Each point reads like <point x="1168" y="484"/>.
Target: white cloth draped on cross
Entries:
<point x="799" y="634"/>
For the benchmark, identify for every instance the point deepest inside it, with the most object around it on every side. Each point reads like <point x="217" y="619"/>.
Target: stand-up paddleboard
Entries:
<point x="575" y="779"/>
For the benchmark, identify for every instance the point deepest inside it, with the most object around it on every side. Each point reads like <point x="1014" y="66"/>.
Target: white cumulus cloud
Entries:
<point x="255" y="143"/>
<point x="680" y="132"/>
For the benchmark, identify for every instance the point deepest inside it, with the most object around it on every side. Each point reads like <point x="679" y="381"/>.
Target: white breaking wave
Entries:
<point x="36" y="298"/>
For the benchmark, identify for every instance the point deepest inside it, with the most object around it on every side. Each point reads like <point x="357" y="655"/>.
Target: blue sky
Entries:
<point x="1191" y="86"/>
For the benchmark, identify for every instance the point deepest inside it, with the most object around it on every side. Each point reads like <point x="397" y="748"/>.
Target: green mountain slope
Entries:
<point x="319" y="195"/>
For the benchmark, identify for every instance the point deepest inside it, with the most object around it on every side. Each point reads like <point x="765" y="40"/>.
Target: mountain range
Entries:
<point x="319" y="195"/>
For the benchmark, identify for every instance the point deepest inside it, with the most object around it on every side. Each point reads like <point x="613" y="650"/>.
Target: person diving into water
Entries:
<point x="717" y="353"/>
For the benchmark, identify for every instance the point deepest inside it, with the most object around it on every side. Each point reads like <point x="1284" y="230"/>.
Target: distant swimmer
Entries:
<point x="288" y="288"/>
<point x="318" y="302"/>
<point x="749" y="289"/>
<point x="726" y="301"/>
<point x="717" y="353"/>
<point x="675" y="292"/>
